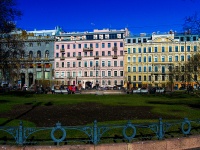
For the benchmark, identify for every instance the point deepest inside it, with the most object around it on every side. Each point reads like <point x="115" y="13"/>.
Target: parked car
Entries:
<point x="136" y="90"/>
<point x="144" y="90"/>
<point x="140" y="90"/>
<point x="160" y="90"/>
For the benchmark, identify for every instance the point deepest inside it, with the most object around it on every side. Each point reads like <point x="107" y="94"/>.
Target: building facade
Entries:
<point x="90" y="59"/>
<point x="149" y="59"/>
<point x="39" y="52"/>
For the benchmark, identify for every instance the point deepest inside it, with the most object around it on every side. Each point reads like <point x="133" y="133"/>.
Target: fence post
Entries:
<point x="20" y="133"/>
<point x="160" y="134"/>
<point x="95" y="133"/>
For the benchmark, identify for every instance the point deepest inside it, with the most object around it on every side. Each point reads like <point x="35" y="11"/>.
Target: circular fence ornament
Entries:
<point x="129" y="125"/>
<point x="58" y="127"/>
<point x="186" y="122"/>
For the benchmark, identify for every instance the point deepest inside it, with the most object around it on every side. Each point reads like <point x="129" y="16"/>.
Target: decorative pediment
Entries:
<point x="163" y="39"/>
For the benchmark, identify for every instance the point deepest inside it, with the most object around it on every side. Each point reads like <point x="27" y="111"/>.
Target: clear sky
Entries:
<point x="138" y="16"/>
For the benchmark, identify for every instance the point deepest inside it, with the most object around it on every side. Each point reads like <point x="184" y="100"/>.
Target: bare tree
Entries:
<point x="192" y="24"/>
<point x="186" y="72"/>
<point x="11" y="45"/>
<point x="8" y="14"/>
<point x="12" y="56"/>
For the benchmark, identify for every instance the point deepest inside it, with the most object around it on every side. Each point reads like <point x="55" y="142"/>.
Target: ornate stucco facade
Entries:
<point x="39" y="51"/>
<point x="149" y="59"/>
<point x="90" y="58"/>
<point x="36" y="58"/>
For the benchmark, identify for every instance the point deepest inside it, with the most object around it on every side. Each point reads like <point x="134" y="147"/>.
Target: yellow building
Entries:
<point x="150" y="59"/>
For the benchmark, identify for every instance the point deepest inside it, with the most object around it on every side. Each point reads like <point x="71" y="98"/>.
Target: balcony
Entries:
<point x="30" y="59"/>
<point x="88" y="49"/>
<point x="62" y="58"/>
<point x="96" y="57"/>
<point x="38" y="59"/>
<point x="114" y="56"/>
<point x="46" y="59"/>
<point x="114" y="48"/>
<point x="62" y="50"/>
<point x="78" y="57"/>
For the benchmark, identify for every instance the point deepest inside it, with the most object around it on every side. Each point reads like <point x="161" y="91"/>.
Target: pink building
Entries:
<point x="90" y="59"/>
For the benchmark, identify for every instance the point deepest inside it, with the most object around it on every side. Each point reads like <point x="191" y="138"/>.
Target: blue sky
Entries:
<point x="138" y="16"/>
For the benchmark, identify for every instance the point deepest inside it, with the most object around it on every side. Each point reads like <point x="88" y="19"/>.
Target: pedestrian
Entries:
<point x="52" y="90"/>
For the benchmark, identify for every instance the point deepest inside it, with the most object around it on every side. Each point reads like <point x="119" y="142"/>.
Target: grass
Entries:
<point x="178" y="104"/>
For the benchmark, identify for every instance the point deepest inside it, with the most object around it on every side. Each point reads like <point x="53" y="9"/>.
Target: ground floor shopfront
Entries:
<point x="36" y="74"/>
<point x="90" y="82"/>
<point x="168" y="85"/>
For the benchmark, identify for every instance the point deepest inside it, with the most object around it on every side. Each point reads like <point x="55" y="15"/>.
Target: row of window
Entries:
<point x="91" y="45"/>
<point x="95" y="73"/>
<point x="91" y="54"/>
<point x="161" y="78"/>
<point x="163" y="49"/>
<point x="38" y="44"/>
<point x="144" y="40"/>
<point x="102" y="82"/>
<point x="91" y="64"/>
<point x="38" y="54"/>
<point x="145" y="69"/>
<point x="162" y="59"/>
<point x="163" y="68"/>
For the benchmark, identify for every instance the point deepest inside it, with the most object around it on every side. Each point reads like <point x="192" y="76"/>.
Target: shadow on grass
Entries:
<point x="4" y="101"/>
<point x="9" y="120"/>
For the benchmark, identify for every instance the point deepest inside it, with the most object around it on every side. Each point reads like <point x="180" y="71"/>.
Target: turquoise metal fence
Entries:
<point x="95" y="133"/>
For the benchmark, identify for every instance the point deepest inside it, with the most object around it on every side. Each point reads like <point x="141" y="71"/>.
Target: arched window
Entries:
<point x="47" y="54"/>
<point x="122" y="83"/>
<point x="38" y="54"/>
<point x="109" y="83"/>
<point x="176" y="58"/>
<point x="182" y="58"/>
<point x="170" y="58"/>
<point x="155" y="59"/>
<point x="163" y="58"/>
<point x="15" y="54"/>
<point x="103" y="82"/>
<point x="31" y="54"/>
<point x="149" y="59"/>
<point x="115" y="82"/>
<point x="22" y="54"/>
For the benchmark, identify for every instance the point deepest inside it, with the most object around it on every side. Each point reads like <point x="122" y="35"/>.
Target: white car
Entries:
<point x="137" y="90"/>
<point x="140" y="90"/>
<point x="160" y="90"/>
<point x="144" y="90"/>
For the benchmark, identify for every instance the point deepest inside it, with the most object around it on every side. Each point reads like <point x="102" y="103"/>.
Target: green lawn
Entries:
<point x="179" y="104"/>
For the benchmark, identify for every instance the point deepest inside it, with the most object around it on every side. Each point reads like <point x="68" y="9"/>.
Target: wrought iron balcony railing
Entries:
<point x="78" y="57"/>
<point x="62" y="50"/>
<point x="114" y="56"/>
<point x="114" y="48"/>
<point x="88" y="49"/>
<point x="62" y="58"/>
